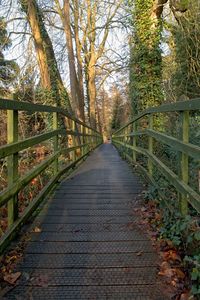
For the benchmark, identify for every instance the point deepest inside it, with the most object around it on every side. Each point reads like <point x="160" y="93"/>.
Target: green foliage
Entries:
<point x="8" y="68"/>
<point x="184" y="232"/>
<point x="186" y="34"/>
<point x="194" y="263"/>
<point x="145" y="62"/>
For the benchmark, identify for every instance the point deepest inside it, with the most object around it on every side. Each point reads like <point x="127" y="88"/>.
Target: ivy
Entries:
<point x="145" y="57"/>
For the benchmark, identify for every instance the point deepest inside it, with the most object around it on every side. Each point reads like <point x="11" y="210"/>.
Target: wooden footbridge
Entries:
<point x="88" y="244"/>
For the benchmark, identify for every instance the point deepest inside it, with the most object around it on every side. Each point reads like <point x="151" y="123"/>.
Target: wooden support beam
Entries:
<point x="12" y="163"/>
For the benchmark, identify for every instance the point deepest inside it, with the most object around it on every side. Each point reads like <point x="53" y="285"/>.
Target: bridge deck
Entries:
<point x="89" y="246"/>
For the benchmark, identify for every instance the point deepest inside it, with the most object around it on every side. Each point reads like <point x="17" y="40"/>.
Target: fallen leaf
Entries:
<point x="171" y="255"/>
<point x="185" y="296"/>
<point x="179" y="273"/>
<point x="37" y="229"/>
<point x="168" y="273"/>
<point x="12" y="278"/>
<point x="41" y="280"/>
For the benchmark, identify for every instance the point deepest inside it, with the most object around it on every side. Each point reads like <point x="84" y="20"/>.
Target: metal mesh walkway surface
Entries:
<point x="89" y="246"/>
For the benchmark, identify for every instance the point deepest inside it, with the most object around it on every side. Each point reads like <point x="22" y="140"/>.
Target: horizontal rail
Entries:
<point x="127" y="136"/>
<point x="23" y="181"/>
<point x="191" y="105"/>
<point x="171" y="176"/>
<point x="79" y="142"/>
<point x="6" y="104"/>
<point x="10" y="149"/>
<point x="188" y="148"/>
<point x="11" y="232"/>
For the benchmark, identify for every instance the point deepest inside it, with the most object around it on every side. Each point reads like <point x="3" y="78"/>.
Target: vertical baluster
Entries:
<point x="82" y="141"/>
<point x="150" y="146"/>
<point x="55" y="141"/>
<point x="12" y="163"/>
<point x="73" y="141"/>
<point x="134" y="129"/>
<point x="86" y="139"/>
<point x="184" y="161"/>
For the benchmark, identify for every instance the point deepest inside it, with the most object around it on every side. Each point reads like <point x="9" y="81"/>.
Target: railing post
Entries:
<point x="12" y="163"/>
<point x="150" y="146"/>
<point x="125" y="139"/>
<point x="134" y="129"/>
<point x="55" y="141"/>
<point x="184" y="161"/>
<point x="73" y="140"/>
<point x="82" y="140"/>
<point x="86" y="139"/>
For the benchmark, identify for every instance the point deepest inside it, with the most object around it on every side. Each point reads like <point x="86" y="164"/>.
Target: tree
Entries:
<point x="76" y="80"/>
<point x="145" y="57"/>
<point x="50" y="76"/>
<point x="186" y="34"/>
<point x="8" y="68"/>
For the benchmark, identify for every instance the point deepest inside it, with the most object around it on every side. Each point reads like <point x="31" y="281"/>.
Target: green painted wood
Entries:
<point x="191" y="105"/>
<point x="192" y="197"/>
<point x="12" y="164"/>
<point x="24" y="180"/>
<point x="184" y="160"/>
<point x="13" y="148"/>
<point x="150" y="147"/>
<point x="55" y="142"/>
<point x="186" y="147"/>
<point x="11" y="232"/>
<point x="7" y="104"/>
<point x="74" y="142"/>
<point x="69" y="149"/>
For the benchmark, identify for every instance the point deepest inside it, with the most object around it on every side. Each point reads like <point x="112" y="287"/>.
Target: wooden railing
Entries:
<point x="83" y="139"/>
<point x="127" y="138"/>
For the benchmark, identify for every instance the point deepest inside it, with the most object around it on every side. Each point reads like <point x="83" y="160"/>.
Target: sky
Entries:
<point x="22" y="45"/>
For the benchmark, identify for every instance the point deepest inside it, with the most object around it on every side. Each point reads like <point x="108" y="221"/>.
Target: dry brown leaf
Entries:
<point x="37" y="229"/>
<point x="185" y="296"/>
<point x="167" y="272"/>
<point x="41" y="280"/>
<point x="12" y="278"/>
<point x="139" y="253"/>
<point x="179" y="273"/>
<point x="171" y="255"/>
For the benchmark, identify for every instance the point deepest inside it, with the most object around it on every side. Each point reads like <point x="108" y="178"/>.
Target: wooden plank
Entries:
<point x="13" y="148"/>
<point x="12" y="164"/>
<point x="55" y="142"/>
<point x="23" y="181"/>
<point x="186" y="147"/>
<point x="10" y="234"/>
<point x="150" y="147"/>
<point x="184" y="160"/>
<point x="6" y="104"/>
<point x="192" y="197"/>
<point x="190" y="105"/>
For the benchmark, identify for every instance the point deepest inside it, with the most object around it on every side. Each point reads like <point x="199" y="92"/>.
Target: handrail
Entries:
<point x="190" y="105"/>
<point x="8" y="104"/>
<point x="84" y="138"/>
<point x="126" y="140"/>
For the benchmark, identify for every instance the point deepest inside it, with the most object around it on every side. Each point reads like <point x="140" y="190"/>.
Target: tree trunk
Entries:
<point x="92" y="91"/>
<point x="76" y="93"/>
<point x="50" y="76"/>
<point x="79" y="47"/>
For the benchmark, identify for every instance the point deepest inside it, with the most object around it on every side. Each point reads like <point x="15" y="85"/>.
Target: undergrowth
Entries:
<point x="184" y="234"/>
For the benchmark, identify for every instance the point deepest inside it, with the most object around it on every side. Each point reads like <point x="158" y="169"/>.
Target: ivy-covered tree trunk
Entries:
<point x="50" y="76"/>
<point x="145" y="58"/>
<point x="186" y="33"/>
